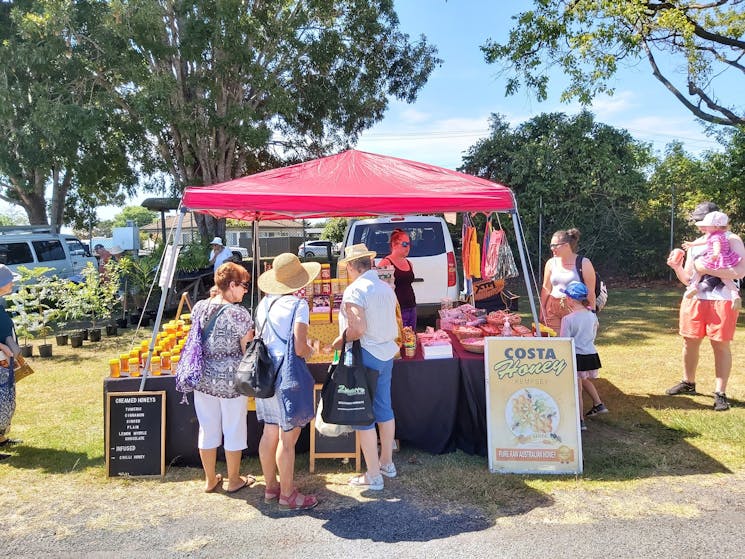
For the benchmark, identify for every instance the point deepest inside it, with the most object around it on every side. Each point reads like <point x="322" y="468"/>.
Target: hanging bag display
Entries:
<point x="294" y="385"/>
<point x="191" y="365"/>
<point x="506" y="266"/>
<point x="256" y="374"/>
<point x="349" y="390"/>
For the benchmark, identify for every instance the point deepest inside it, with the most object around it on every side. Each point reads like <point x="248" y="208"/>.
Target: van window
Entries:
<point x="46" y="251"/>
<point x="76" y="248"/>
<point x="15" y="253"/>
<point x="426" y="237"/>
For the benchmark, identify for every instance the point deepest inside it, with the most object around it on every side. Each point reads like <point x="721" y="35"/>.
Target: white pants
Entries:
<point x="221" y="418"/>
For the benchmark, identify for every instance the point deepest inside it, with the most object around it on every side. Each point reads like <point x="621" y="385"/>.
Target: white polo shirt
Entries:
<point x="378" y="300"/>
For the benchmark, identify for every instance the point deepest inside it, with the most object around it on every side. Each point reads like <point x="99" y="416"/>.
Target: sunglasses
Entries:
<point x="405" y="243"/>
<point x="556" y="245"/>
<point x="245" y="285"/>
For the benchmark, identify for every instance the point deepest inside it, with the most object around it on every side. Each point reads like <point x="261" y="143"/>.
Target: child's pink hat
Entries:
<point x="714" y="219"/>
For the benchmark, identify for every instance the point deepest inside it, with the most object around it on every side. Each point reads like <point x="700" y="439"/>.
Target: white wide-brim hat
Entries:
<point x="288" y="275"/>
<point x="216" y="241"/>
<point x="116" y="249"/>
<point x="356" y="251"/>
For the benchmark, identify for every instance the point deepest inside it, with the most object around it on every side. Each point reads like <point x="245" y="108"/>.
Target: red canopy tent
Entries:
<point x="351" y="183"/>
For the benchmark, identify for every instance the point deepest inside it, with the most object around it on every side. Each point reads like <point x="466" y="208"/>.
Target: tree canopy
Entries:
<point x="573" y="172"/>
<point x="587" y="40"/>
<point x="231" y="88"/>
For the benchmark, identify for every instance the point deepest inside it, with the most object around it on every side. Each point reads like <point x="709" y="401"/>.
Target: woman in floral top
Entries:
<point x="221" y="410"/>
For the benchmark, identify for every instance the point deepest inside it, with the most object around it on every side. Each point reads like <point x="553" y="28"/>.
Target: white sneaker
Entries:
<point x="388" y="470"/>
<point x="365" y="482"/>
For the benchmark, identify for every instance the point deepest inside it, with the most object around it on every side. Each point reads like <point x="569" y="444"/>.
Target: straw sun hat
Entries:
<point x="288" y="275"/>
<point x="356" y="251"/>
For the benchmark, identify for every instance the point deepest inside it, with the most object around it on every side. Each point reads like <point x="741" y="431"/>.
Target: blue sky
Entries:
<point x="452" y="110"/>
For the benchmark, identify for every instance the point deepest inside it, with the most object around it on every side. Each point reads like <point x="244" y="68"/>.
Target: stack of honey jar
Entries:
<point x="168" y="345"/>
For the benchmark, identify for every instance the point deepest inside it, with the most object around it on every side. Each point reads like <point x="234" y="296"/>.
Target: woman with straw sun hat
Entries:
<point x="274" y="323"/>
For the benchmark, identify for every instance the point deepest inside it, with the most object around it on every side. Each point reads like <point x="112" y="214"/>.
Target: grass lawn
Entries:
<point x="647" y="436"/>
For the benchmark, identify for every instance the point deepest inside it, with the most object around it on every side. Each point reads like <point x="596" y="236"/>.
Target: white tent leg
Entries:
<point x="523" y="263"/>
<point x="164" y="294"/>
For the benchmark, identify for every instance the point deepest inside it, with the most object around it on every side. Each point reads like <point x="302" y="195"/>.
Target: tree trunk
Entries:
<point x="210" y="227"/>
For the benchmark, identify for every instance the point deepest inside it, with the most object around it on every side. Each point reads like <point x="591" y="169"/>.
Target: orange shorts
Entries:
<point x="715" y="320"/>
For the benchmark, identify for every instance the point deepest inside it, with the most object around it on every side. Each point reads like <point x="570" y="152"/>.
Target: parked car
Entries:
<point x="34" y="246"/>
<point x="432" y="255"/>
<point x="309" y="249"/>
<point x="239" y="253"/>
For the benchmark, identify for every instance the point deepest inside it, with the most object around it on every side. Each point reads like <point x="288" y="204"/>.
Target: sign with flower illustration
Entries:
<point x="532" y="410"/>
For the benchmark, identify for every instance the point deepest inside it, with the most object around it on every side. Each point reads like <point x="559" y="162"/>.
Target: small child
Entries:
<point x="717" y="255"/>
<point x="582" y="325"/>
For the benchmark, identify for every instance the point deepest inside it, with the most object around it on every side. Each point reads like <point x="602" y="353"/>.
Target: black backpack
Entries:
<point x="601" y="290"/>
<point x="256" y="374"/>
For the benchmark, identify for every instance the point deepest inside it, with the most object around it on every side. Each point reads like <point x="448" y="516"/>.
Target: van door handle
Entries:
<point x="418" y="280"/>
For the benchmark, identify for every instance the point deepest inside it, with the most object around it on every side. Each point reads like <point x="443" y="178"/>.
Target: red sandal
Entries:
<point x="290" y="501"/>
<point x="271" y="495"/>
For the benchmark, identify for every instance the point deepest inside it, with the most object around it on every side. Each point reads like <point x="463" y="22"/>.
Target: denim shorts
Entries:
<point x="382" y="407"/>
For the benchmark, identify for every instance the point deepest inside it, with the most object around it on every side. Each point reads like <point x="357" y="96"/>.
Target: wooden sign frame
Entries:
<point x="107" y="433"/>
<point x="316" y="437"/>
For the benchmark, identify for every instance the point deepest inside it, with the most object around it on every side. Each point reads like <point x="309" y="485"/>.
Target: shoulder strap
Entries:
<point x="292" y="323"/>
<point x="266" y="321"/>
<point x="578" y="265"/>
<point x="211" y="324"/>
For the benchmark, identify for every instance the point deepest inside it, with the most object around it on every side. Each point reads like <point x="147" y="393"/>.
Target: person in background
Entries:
<point x="220" y="409"/>
<point x="103" y="256"/>
<point x="711" y="314"/>
<point x="368" y="314"/>
<point x="403" y="275"/>
<point x="560" y="271"/>
<point x="219" y="253"/>
<point x="273" y="317"/>
<point x="7" y="382"/>
<point x="582" y="325"/>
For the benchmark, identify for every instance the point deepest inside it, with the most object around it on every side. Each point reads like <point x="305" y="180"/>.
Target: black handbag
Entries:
<point x="349" y="390"/>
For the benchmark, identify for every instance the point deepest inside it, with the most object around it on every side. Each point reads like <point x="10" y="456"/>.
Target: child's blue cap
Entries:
<point x="576" y="290"/>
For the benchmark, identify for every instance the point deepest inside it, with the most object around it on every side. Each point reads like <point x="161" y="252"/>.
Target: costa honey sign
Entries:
<point x="531" y="400"/>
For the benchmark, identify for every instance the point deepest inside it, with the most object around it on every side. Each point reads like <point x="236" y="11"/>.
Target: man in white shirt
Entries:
<point x="219" y="253"/>
<point x="368" y="314"/>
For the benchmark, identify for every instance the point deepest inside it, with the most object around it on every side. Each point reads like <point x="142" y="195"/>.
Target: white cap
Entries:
<point x="714" y="219"/>
<point x="216" y="241"/>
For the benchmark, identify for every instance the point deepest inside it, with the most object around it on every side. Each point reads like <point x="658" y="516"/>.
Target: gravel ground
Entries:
<point x="682" y="517"/>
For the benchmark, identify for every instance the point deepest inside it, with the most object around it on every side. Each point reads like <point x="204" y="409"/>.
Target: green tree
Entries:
<point x="334" y="229"/>
<point x="139" y="215"/>
<point x="59" y="129"/>
<point x="587" y="40"/>
<point x="231" y="88"/>
<point x="574" y="172"/>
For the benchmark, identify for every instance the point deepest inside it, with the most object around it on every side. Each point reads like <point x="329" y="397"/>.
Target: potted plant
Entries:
<point x="29" y="305"/>
<point x="140" y="275"/>
<point x="72" y="308"/>
<point x="97" y="295"/>
<point x="45" y="349"/>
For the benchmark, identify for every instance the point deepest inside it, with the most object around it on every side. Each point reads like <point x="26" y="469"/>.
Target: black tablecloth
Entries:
<point x="470" y="429"/>
<point x="424" y="393"/>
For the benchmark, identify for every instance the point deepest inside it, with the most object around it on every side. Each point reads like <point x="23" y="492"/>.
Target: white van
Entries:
<point x="432" y="256"/>
<point x="34" y="246"/>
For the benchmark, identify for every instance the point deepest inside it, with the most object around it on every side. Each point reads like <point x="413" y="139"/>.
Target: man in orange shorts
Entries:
<point x="711" y="314"/>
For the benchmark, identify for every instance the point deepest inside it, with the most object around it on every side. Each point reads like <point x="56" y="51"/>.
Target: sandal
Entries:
<point x="291" y="501"/>
<point x="271" y="495"/>
<point x="248" y="481"/>
<point x="218" y="483"/>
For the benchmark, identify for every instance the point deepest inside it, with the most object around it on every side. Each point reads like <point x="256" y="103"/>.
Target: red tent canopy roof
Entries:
<point x="351" y="183"/>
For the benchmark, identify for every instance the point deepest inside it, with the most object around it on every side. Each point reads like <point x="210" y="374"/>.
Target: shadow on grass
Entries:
<point x="636" y="445"/>
<point x="50" y="460"/>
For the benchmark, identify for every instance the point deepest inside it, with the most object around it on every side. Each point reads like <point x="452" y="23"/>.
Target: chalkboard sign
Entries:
<point x="344" y="446"/>
<point x="135" y="433"/>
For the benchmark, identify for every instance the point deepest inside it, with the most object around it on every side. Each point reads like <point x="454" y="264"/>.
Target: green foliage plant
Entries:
<point x="29" y="304"/>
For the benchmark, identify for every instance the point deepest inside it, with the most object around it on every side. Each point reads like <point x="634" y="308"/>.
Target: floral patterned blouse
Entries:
<point x="222" y="350"/>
